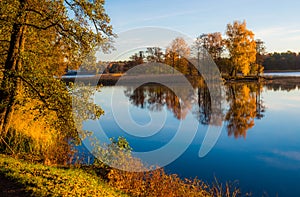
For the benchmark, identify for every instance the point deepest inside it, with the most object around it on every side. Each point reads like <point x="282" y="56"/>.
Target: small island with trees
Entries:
<point x="239" y="56"/>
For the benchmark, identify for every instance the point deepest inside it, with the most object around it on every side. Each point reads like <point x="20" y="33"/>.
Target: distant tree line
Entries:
<point x="282" y="61"/>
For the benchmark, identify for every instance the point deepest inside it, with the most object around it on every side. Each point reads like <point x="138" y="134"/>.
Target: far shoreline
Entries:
<point x="113" y="78"/>
<point x="281" y="71"/>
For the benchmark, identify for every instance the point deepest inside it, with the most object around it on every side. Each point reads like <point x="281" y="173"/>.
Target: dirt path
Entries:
<point x="9" y="188"/>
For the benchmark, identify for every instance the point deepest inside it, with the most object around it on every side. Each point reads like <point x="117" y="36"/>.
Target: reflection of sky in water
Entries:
<point x="267" y="160"/>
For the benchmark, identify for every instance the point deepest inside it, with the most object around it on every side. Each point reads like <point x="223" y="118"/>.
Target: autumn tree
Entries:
<point x="213" y="43"/>
<point x="241" y="46"/>
<point x="176" y="54"/>
<point x="137" y="58"/>
<point x="89" y="63"/>
<point x="39" y="40"/>
<point x="260" y="50"/>
<point x="154" y="54"/>
<point x="257" y="67"/>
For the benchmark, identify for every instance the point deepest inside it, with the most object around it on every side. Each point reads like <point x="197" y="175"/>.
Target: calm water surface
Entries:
<point x="293" y="74"/>
<point x="260" y="141"/>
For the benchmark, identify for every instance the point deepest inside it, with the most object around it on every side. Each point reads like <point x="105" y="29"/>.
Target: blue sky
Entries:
<point x="275" y="22"/>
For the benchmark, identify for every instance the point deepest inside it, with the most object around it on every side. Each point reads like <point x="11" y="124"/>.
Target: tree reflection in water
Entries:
<point x="244" y="104"/>
<point x="155" y="97"/>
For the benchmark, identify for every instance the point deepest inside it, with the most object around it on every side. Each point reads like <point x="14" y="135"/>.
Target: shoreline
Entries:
<point x="112" y="79"/>
<point x="280" y="71"/>
<point x="37" y="179"/>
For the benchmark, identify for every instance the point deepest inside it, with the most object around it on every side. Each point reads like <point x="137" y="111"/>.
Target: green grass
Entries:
<point x="42" y="180"/>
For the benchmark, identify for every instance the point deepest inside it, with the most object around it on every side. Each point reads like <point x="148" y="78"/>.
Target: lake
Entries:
<point x="293" y="74"/>
<point x="259" y="144"/>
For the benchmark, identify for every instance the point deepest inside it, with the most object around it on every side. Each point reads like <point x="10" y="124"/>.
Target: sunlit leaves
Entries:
<point x="241" y="46"/>
<point x="39" y="41"/>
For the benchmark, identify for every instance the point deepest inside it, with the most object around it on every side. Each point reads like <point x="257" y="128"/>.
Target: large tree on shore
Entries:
<point x="241" y="46"/>
<point x="39" y="39"/>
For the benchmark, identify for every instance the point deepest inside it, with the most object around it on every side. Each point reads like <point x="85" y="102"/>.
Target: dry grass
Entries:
<point x="155" y="183"/>
<point x="137" y="179"/>
<point x="158" y="183"/>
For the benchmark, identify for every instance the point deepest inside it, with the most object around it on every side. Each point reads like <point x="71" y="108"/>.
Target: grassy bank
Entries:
<point x="40" y="180"/>
<point x="21" y="178"/>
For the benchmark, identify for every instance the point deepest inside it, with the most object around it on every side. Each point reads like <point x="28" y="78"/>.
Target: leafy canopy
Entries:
<point x="241" y="46"/>
<point x="40" y="39"/>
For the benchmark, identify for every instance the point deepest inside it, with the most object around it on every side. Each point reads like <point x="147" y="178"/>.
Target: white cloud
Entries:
<point x="280" y="38"/>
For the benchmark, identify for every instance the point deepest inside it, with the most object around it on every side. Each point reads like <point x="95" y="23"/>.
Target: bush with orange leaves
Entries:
<point x="137" y="179"/>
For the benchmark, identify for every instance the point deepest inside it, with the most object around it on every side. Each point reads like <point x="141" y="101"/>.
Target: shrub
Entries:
<point x="33" y="136"/>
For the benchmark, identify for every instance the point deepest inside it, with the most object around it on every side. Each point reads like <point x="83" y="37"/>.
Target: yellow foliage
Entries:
<point x="31" y="125"/>
<point x="35" y="133"/>
<point x="241" y="46"/>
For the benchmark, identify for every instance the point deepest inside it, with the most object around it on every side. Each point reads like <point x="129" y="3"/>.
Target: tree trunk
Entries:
<point x="11" y="84"/>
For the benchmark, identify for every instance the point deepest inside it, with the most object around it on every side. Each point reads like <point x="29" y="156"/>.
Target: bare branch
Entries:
<point x="96" y="27"/>
<point x="43" y="28"/>
<point x="42" y="98"/>
<point x="35" y="11"/>
<point x="46" y="18"/>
